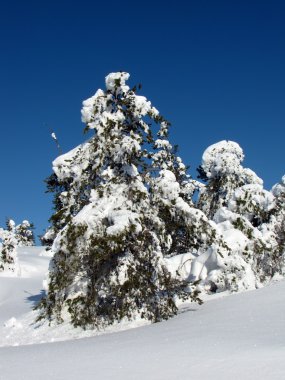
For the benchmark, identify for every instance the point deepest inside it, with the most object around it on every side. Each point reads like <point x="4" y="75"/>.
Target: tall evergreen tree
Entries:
<point x="108" y="257"/>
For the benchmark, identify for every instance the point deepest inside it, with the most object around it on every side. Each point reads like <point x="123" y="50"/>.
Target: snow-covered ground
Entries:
<point x="235" y="337"/>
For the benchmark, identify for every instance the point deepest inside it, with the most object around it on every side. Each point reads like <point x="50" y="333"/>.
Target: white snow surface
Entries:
<point x="241" y="336"/>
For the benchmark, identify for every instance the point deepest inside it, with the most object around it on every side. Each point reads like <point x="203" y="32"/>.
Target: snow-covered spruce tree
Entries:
<point x="253" y="208"/>
<point x="108" y="261"/>
<point x="235" y="200"/>
<point x="191" y="239"/>
<point x="9" y="243"/>
<point x="24" y="233"/>
<point x="75" y="174"/>
<point x="223" y="173"/>
<point x="187" y="229"/>
<point x="250" y="262"/>
<point x="277" y="221"/>
<point x="171" y="194"/>
<point x="274" y="231"/>
<point x="278" y="191"/>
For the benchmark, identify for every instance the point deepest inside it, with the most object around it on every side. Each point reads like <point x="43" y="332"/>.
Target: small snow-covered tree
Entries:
<point x="8" y="248"/>
<point x="234" y="198"/>
<point x="24" y="233"/>
<point x="254" y="207"/>
<point x="108" y="256"/>
<point x="249" y="264"/>
<point x="11" y="237"/>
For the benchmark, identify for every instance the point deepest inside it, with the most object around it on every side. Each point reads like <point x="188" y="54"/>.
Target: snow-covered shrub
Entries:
<point x="108" y="255"/>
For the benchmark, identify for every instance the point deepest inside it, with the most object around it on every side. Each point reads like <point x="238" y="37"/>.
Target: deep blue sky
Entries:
<point x="215" y="69"/>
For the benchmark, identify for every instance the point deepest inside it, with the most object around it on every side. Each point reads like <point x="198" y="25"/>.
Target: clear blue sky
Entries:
<point x="215" y="69"/>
